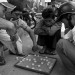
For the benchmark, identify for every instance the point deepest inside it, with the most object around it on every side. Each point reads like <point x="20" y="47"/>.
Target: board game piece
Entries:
<point x="38" y="65"/>
<point x="32" y="63"/>
<point x="29" y="59"/>
<point x="27" y="66"/>
<point x="35" y="61"/>
<point x="41" y="62"/>
<point x="33" y="68"/>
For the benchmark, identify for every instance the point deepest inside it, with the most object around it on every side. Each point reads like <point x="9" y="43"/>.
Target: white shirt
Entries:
<point x="4" y="36"/>
<point x="70" y="35"/>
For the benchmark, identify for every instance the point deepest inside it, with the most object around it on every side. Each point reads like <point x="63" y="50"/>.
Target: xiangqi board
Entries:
<point x="36" y="63"/>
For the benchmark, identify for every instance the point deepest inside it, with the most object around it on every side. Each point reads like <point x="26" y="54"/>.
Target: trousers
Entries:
<point x="66" y="52"/>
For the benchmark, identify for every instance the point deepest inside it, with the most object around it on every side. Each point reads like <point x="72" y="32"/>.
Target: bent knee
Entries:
<point x="60" y="44"/>
<point x="62" y="41"/>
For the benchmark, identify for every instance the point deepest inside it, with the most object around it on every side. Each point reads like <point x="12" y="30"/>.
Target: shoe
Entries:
<point x="20" y="54"/>
<point x="48" y="52"/>
<point x="10" y="52"/>
<point x="2" y="61"/>
<point x="42" y="50"/>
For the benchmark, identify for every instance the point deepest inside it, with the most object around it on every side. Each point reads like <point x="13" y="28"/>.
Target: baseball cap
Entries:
<point x="7" y="5"/>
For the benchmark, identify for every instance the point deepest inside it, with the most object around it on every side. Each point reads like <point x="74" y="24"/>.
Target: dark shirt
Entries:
<point x="42" y="29"/>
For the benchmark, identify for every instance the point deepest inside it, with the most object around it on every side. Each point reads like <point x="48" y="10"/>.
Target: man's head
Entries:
<point x="4" y="6"/>
<point x="66" y="13"/>
<point x="16" y="13"/>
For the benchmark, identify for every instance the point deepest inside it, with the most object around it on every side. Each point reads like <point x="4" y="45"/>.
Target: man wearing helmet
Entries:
<point x="66" y="46"/>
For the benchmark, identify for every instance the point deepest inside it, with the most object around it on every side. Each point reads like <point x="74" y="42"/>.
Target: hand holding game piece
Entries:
<point x="35" y="48"/>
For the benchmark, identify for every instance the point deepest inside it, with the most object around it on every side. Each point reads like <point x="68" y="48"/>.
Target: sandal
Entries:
<point x="2" y="61"/>
<point x="48" y="52"/>
<point x="10" y="52"/>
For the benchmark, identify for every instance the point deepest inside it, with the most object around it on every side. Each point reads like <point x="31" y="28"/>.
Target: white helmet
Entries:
<point x="7" y="5"/>
<point x="3" y="1"/>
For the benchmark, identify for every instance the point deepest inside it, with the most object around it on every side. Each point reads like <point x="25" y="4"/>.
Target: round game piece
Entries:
<point x="35" y="61"/>
<point x="23" y="59"/>
<point x="50" y="67"/>
<point x="37" y="55"/>
<point x="46" y="60"/>
<point x="34" y="55"/>
<point x="17" y="58"/>
<point x="42" y="62"/>
<point x="27" y="66"/>
<point x="29" y="59"/>
<point x="33" y="68"/>
<point x="48" y="63"/>
<point x="20" y="61"/>
<point x="38" y="65"/>
<point x="32" y="63"/>
<point x="28" y="55"/>
<point x="46" y="57"/>
<point x="41" y="59"/>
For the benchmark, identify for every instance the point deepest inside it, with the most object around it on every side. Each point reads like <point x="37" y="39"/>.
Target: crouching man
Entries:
<point x="8" y="30"/>
<point x="66" y="46"/>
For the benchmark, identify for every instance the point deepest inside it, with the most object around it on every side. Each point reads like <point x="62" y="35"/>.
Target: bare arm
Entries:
<point x="29" y="30"/>
<point x="32" y="35"/>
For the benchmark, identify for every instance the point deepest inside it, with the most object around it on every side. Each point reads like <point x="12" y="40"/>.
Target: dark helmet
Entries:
<point x="66" y="8"/>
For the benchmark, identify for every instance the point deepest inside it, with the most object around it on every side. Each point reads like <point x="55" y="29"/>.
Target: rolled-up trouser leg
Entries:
<point x="9" y="45"/>
<point x="66" y="51"/>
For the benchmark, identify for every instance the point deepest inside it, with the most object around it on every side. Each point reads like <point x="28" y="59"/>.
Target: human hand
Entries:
<point x="35" y="48"/>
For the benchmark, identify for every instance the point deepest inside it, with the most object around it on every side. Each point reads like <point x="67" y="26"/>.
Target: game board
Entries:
<point x="37" y="63"/>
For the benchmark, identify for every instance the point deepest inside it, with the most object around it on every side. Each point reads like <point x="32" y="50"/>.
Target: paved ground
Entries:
<point x="9" y="68"/>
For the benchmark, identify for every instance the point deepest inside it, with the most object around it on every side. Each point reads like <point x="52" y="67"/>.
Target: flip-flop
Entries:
<point x="2" y="61"/>
<point x="10" y="52"/>
<point x="48" y="52"/>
